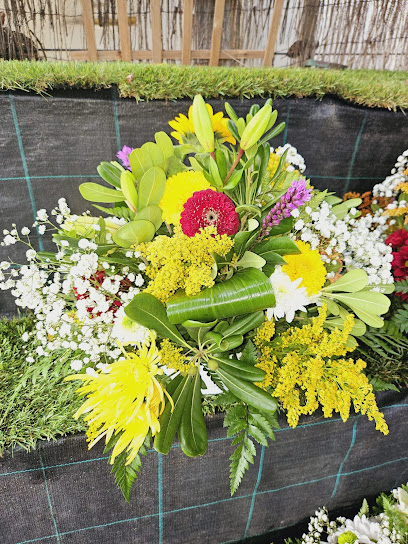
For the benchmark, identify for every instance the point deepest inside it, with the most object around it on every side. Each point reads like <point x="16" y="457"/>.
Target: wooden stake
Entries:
<point x="217" y="32"/>
<point x="187" y="31"/>
<point x="273" y="32"/>
<point x="123" y="23"/>
<point x="155" y="13"/>
<point x="89" y="29"/>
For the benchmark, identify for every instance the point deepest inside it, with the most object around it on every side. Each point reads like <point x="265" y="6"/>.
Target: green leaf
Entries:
<point x="351" y="282"/>
<point x="358" y="329"/>
<point x="244" y="324"/>
<point x="251" y="260"/>
<point x="147" y="310"/>
<point x="281" y="245"/>
<point x="239" y="368"/>
<point x="171" y="417"/>
<point x="98" y="193"/>
<point x="151" y="187"/>
<point x="249" y="290"/>
<point x="250" y="208"/>
<point x="152" y="214"/>
<point x="156" y="154"/>
<point x="367" y="305"/>
<point x="165" y="144"/>
<point x="231" y="342"/>
<point x="380" y="385"/>
<point x="215" y="175"/>
<point x="240" y="240"/>
<point x="249" y="354"/>
<point x="123" y="212"/>
<point x="134" y="233"/>
<point x="248" y="392"/>
<point x="110" y="173"/>
<point x="284" y="226"/>
<point x="221" y="163"/>
<point x="233" y="180"/>
<point x="127" y="183"/>
<point x="193" y="431"/>
<point x="125" y="474"/>
<point x="332" y="307"/>
<point x="140" y="162"/>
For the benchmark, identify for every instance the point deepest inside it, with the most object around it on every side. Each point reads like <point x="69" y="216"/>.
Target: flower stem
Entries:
<point x="240" y="153"/>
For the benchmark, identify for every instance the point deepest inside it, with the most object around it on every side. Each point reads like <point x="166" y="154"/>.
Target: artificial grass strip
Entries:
<point x="372" y="88"/>
<point x="35" y="402"/>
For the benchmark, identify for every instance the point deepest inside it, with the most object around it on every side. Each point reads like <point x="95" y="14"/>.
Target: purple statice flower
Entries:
<point x="297" y="195"/>
<point x="123" y="156"/>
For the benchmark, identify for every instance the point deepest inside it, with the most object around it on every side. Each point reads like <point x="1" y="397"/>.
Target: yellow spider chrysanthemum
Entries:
<point x="125" y="398"/>
<point x="179" y="188"/>
<point x="306" y="265"/>
<point x="183" y="126"/>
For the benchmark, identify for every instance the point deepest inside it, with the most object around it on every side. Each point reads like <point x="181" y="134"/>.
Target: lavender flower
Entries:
<point x="123" y="156"/>
<point x="297" y="195"/>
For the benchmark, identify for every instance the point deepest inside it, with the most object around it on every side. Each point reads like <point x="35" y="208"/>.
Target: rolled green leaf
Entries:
<point x="149" y="312"/>
<point x="249" y="290"/>
<point x="193" y="431"/>
<point x="231" y="342"/>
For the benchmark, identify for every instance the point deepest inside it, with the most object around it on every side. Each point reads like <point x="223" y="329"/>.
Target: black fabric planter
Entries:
<point x="63" y="493"/>
<point x="49" y="145"/>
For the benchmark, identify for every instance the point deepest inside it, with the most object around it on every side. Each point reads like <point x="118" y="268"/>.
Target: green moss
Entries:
<point x="371" y="88"/>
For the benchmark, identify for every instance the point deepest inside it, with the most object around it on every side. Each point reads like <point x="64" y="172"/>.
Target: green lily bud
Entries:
<point x="202" y="124"/>
<point x="256" y="127"/>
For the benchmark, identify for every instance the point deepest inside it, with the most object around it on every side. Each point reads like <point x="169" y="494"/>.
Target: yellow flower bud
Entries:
<point x="202" y="124"/>
<point x="256" y="127"/>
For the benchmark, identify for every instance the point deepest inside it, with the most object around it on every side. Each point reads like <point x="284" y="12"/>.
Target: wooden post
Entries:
<point x="155" y="13"/>
<point x="217" y="32"/>
<point x="187" y="31"/>
<point x="124" y="36"/>
<point x="89" y="28"/>
<point x="273" y="32"/>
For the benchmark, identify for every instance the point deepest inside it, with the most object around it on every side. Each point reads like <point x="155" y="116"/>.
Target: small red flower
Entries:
<point x="206" y="208"/>
<point x="397" y="239"/>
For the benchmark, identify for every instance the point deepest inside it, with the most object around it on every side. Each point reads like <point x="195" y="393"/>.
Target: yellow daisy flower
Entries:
<point x="183" y="125"/>
<point x="125" y="398"/>
<point x="306" y="265"/>
<point x="179" y="188"/>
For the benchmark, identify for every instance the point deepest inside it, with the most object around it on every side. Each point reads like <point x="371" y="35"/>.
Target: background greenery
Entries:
<point x="371" y="88"/>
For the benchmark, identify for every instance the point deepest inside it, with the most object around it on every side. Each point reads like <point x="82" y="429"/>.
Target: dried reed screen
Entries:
<point x="354" y="33"/>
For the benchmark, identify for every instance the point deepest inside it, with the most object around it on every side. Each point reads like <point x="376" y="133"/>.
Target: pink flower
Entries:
<point x="207" y="208"/>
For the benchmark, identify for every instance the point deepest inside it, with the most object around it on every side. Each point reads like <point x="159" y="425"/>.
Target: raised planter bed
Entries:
<point x="61" y="492"/>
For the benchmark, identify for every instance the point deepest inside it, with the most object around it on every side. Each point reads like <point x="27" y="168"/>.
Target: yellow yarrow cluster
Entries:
<point x="183" y="126"/>
<point x="179" y="188"/>
<point x="183" y="262"/>
<point x="307" y="265"/>
<point x="172" y="356"/>
<point x="396" y="212"/>
<point x="306" y="368"/>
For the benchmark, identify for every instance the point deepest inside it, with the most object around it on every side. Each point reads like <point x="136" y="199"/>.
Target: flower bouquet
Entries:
<point x="216" y="268"/>
<point x="387" y="523"/>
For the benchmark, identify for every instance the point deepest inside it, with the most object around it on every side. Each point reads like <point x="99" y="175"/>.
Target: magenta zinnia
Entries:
<point x="208" y="208"/>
